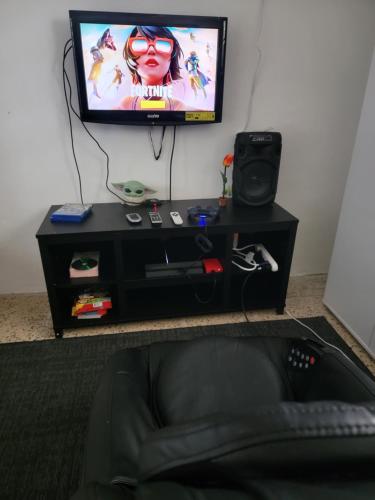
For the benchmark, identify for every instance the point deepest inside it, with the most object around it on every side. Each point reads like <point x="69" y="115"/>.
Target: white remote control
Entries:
<point x="176" y="218"/>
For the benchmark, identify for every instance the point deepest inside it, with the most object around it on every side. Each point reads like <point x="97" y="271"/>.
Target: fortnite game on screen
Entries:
<point x="149" y="67"/>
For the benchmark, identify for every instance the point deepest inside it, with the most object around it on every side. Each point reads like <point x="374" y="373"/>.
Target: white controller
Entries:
<point x="267" y="257"/>
<point x="176" y="218"/>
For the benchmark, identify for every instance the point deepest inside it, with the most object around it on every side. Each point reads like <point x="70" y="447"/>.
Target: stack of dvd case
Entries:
<point x="92" y="304"/>
<point x="71" y="212"/>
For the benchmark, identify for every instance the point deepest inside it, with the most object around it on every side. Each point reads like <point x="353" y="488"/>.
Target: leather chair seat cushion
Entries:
<point x="219" y="375"/>
<point x="294" y="439"/>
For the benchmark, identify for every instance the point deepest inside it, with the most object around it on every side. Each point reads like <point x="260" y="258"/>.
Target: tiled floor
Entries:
<point x="27" y="317"/>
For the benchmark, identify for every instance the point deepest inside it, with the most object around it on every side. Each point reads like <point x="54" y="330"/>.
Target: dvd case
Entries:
<point x="71" y="212"/>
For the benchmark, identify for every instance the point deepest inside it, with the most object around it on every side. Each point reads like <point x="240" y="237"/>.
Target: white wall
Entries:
<point x="350" y="291"/>
<point x="316" y="57"/>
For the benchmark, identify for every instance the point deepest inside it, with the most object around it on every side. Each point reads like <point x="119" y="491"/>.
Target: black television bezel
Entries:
<point x="122" y="117"/>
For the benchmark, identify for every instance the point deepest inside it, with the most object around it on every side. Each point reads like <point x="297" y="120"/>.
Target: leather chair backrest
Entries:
<point x="219" y="375"/>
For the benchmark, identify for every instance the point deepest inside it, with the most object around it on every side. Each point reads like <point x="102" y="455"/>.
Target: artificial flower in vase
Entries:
<point x="227" y="162"/>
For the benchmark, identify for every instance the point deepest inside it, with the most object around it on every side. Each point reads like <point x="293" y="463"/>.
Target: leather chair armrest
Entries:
<point x="120" y="419"/>
<point x="289" y="439"/>
<point x="338" y="378"/>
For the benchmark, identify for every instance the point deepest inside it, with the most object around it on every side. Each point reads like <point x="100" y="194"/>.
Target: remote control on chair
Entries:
<point x="303" y="355"/>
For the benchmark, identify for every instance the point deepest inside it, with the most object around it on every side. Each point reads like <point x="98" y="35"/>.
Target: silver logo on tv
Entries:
<point x="153" y="116"/>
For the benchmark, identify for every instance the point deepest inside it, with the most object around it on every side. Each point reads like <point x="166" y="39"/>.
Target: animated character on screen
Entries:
<point x="197" y="79"/>
<point x="105" y="41"/>
<point x="117" y="80"/>
<point x="152" y="55"/>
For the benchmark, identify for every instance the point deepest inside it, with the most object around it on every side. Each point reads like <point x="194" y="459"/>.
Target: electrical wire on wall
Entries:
<point x="157" y="155"/>
<point x="171" y="162"/>
<point x="259" y="58"/>
<point x="69" y="104"/>
<point x="67" y="48"/>
<point x="66" y="82"/>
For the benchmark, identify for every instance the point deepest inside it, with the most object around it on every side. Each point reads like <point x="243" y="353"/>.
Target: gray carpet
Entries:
<point x="46" y="390"/>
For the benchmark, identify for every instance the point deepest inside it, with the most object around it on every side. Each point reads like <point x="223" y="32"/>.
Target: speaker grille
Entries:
<point x="256" y="168"/>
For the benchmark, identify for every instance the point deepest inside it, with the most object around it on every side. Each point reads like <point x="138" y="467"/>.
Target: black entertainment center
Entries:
<point x="126" y="250"/>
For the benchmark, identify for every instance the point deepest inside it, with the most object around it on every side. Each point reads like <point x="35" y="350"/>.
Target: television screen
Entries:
<point x="149" y="69"/>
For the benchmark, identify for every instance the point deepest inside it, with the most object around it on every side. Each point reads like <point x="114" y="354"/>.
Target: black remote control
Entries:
<point x="155" y="218"/>
<point x="303" y="355"/>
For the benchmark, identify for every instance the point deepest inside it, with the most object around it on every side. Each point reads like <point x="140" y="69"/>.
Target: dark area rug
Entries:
<point x="46" y="390"/>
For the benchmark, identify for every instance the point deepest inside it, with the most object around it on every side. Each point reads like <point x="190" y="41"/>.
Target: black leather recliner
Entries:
<point x="231" y="418"/>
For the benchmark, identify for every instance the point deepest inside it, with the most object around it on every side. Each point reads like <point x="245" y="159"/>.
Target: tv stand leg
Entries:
<point x="59" y="333"/>
<point x="280" y="310"/>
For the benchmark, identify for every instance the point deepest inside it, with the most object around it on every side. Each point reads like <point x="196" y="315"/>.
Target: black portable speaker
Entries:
<point x="256" y="168"/>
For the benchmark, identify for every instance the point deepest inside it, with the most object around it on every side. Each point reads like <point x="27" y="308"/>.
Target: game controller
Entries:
<point x="208" y="214"/>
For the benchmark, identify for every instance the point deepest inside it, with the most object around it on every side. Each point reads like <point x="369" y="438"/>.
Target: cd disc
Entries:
<point x="84" y="263"/>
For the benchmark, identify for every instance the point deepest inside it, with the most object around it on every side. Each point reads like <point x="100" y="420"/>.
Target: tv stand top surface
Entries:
<point x="110" y="217"/>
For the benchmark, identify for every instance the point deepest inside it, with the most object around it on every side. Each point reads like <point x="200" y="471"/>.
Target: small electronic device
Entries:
<point x="173" y="269"/>
<point x="212" y="266"/>
<point x="134" y="218"/>
<point x="176" y="218"/>
<point x="155" y="218"/>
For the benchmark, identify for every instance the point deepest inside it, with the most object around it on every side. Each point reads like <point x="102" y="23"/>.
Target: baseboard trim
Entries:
<point x="350" y="329"/>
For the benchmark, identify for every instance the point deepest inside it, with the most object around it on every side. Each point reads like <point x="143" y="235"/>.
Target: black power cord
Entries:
<point x="170" y="163"/>
<point x="197" y="297"/>
<point x="66" y="51"/>
<point x="244" y="283"/>
<point x="157" y="155"/>
<point x="70" y="104"/>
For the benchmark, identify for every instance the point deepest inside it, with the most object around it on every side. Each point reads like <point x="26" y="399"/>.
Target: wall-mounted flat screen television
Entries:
<point x="149" y="69"/>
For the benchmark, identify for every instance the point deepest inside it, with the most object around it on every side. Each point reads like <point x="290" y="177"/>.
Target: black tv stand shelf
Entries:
<point x="125" y="250"/>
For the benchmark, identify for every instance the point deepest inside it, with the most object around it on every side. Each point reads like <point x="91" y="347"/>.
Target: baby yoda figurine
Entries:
<point x="133" y="192"/>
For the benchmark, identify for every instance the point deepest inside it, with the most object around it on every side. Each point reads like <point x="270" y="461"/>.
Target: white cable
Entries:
<point x="319" y="337"/>
<point x="235" y="249"/>
<point x="253" y="85"/>
<point x="245" y="258"/>
<point x="247" y="269"/>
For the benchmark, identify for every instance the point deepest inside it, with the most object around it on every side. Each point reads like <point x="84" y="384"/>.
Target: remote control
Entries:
<point x="176" y="218"/>
<point x="303" y="355"/>
<point x="134" y="218"/>
<point x="155" y="218"/>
